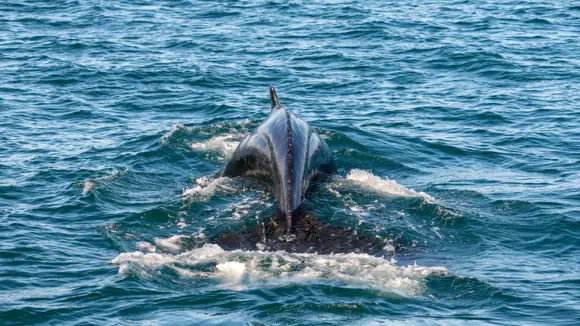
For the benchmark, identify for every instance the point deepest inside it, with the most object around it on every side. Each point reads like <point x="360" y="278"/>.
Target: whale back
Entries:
<point x="285" y="152"/>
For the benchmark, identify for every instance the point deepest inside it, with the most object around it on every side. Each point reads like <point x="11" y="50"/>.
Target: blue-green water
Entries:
<point x="117" y="116"/>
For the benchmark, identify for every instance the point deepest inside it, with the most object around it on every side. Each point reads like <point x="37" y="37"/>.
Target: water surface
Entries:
<point x="454" y="126"/>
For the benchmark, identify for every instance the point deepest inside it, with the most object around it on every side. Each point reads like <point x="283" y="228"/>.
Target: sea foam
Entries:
<point x="206" y="187"/>
<point x="249" y="269"/>
<point x="385" y="186"/>
<point x="223" y="144"/>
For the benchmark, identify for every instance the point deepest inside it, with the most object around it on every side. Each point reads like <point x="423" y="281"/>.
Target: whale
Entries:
<point x="285" y="153"/>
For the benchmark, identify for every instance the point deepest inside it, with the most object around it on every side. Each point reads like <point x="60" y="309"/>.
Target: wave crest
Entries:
<point x="224" y="144"/>
<point x="385" y="186"/>
<point x="90" y="183"/>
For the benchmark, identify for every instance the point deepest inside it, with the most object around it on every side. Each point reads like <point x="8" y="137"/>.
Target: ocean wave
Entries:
<point x="240" y="270"/>
<point x="231" y="129"/>
<point x="175" y="129"/>
<point x="90" y="183"/>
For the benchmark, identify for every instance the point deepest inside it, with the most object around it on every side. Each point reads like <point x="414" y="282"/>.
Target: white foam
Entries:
<point x="243" y="207"/>
<point x="231" y="271"/>
<point x="389" y="247"/>
<point x="206" y="187"/>
<point x="242" y="269"/>
<point x="333" y="191"/>
<point x="199" y="234"/>
<point x="171" y="244"/>
<point x="356" y="209"/>
<point x="243" y="123"/>
<point x="224" y="144"/>
<point x="181" y="224"/>
<point x="145" y="246"/>
<point x="385" y="186"/>
<point x="147" y="260"/>
<point x="203" y="181"/>
<point x="436" y="230"/>
<point x="90" y="183"/>
<point x="447" y="213"/>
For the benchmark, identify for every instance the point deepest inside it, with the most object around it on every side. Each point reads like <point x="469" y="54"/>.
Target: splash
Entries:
<point x="223" y="144"/>
<point x="385" y="186"/>
<point x="245" y="269"/>
<point x="90" y="183"/>
<point x="206" y="187"/>
<point x="171" y="244"/>
<point x="145" y="246"/>
<point x="226" y="136"/>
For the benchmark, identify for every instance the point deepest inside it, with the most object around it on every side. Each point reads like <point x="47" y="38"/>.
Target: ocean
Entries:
<point x="454" y="126"/>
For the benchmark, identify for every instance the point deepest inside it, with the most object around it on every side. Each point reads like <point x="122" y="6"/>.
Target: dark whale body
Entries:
<point x="309" y="236"/>
<point x="286" y="153"/>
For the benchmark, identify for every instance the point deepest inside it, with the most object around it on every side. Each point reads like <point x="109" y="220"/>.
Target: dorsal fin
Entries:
<point x="274" y="97"/>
